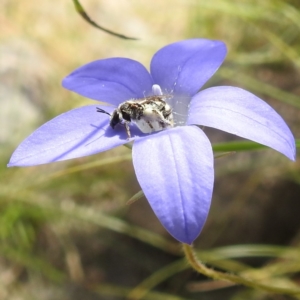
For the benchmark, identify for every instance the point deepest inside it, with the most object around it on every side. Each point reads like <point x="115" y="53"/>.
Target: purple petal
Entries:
<point x="175" y="171"/>
<point x="76" y="133"/>
<point x="239" y="112"/>
<point x="184" y="67"/>
<point x="112" y="80"/>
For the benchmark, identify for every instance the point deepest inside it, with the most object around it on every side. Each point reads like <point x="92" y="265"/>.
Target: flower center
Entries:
<point x="178" y="103"/>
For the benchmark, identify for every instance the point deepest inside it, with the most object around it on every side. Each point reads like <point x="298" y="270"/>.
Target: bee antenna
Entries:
<point x="100" y="110"/>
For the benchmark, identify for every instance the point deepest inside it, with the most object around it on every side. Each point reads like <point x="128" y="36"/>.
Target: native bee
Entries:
<point x="149" y="114"/>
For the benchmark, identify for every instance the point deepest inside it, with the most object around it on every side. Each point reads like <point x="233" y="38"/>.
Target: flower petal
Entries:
<point x="185" y="66"/>
<point x="79" y="132"/>
<point x="239" y="112"/>
<point x="175" y="171"/>
<point x="112" y="80"/>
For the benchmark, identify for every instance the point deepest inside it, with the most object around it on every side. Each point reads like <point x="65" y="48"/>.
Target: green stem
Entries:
<point x="85" y="16"/>
<point x="202" y="269"/>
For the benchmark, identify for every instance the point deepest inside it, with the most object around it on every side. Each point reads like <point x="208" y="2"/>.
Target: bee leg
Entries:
<point x="127" y="130"/>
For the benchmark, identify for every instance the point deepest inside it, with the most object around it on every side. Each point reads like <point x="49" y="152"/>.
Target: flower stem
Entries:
<point x="201" y="268"/>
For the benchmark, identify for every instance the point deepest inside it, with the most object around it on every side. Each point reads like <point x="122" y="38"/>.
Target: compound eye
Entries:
<point x="126" y="116"/>
<point x="115" y="119"/>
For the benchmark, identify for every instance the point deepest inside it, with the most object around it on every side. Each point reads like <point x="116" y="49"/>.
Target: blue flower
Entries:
<point x="174" y="167"/>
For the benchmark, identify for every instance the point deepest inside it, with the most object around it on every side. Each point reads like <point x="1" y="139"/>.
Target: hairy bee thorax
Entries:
<point x="150" y="114"/>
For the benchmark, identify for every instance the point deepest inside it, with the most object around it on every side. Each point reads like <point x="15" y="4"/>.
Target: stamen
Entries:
<point x="156" y="90"/>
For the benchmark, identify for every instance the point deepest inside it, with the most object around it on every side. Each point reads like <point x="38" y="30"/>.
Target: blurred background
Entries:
<point x="66" y="231"/>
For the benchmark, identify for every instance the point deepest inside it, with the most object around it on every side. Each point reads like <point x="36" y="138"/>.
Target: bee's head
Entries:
<point x="115" y="118"/>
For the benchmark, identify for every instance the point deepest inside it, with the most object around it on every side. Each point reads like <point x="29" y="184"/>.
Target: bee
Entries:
<point x="150" y="114"/>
